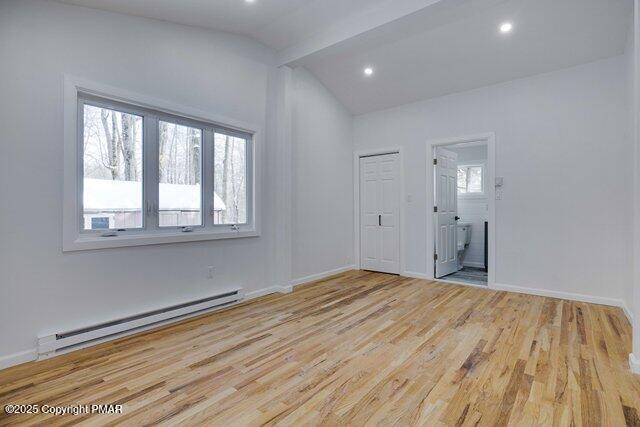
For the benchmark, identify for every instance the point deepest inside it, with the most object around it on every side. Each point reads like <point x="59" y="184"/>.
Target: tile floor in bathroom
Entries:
<point x="473" y="275"/>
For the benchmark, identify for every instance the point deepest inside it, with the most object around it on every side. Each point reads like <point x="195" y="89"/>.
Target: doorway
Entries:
<point x="463" y="209"/>
<point x="379" y="212"/>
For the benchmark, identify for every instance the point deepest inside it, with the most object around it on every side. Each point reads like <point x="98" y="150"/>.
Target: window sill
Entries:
<point x="87" y="243"/>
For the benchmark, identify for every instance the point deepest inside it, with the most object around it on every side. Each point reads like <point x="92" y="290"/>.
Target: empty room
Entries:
<point x="320" y="212"/>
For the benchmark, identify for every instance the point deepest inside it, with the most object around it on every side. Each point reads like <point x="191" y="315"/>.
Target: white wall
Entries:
<point x="629" y="55"/>
<point x="43" y="290"/>
<point x="563" y="150"/>
<point x="322" y="179"/>
<point x="633" y="54"/>
<point x="473" y="208"/>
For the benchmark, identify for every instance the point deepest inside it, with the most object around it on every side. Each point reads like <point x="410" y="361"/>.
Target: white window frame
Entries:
<point x="75" y="238"/>
<point x="481" y="194"/>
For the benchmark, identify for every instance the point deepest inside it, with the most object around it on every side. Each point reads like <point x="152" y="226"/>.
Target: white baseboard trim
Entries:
<point x="267" y="291"/>
<point x="318" y="276"/>
<point x="627" y="311"/>
<point x="18" y="358"/>
<point x="415" y="275"/>
<point x="615" y="302"/>
<point x="558" y="294"/>
<point x="634" y="363"/>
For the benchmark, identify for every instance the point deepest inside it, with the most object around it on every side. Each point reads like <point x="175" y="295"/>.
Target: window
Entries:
<point x="471" y="179"/>
<point x="180" y="189"/>
<point x="230" y="182"/>
<point x="112" y="165"/>
<point x="146" y="173"/>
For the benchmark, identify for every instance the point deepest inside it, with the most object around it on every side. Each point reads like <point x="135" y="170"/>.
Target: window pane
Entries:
<point x="112" y="164"/>
<point x="462" y="180"/>
<point x="180" y="194"/>
<point x="475" y="179"/>
<point x="230" y="179"/>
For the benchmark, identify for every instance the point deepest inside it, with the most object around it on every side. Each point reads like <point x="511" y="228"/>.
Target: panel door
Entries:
<point x="379" y="213"/>
<point x="446" y="231"/>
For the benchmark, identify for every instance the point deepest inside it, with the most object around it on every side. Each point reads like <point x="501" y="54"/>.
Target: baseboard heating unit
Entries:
<point x="65" y="341"/>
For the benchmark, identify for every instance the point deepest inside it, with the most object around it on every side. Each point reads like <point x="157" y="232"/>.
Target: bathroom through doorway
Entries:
<point x="463" y="191"/>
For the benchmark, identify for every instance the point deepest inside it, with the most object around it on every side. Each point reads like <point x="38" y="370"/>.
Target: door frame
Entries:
<point x="356" y="200"/>
<point x="488" y="138"/>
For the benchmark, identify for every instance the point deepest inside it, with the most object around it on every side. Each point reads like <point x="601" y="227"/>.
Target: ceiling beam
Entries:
<point x="353" y="26"/>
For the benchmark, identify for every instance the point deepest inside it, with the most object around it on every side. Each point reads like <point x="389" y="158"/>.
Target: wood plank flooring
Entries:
<point x="358" y="349"/>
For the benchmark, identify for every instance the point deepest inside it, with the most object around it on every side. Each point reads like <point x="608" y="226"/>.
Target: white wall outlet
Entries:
<point x="409" y="198"/>
<point x="210" y="271"/>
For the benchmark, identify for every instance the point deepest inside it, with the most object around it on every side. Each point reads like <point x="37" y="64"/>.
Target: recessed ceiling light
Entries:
<point x="368" y="71"/>
<point x="250" y="1"/>
<point x="506" y="27"/>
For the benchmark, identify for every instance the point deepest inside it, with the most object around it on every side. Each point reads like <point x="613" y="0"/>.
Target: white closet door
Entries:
<point x="446" y="178"/>
<point x="379" y="213"/>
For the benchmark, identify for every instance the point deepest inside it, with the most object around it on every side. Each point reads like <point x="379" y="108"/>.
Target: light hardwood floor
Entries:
<point x="358" y="348"/>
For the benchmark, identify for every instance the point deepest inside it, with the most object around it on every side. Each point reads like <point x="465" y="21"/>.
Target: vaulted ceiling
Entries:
<point x="275" y="23"/>
<point x="417" y="48"/>
<point x="461" y="48"/>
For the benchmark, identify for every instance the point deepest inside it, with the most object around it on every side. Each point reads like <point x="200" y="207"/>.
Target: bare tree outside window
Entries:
<point x="112" y="162"/>
<point x="180" y="175"/>
<point x="230" y="176"/>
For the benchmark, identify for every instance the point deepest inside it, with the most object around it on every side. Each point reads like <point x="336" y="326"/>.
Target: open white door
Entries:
<point x="379" y="213"/>
<point x="445" y="212"/>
